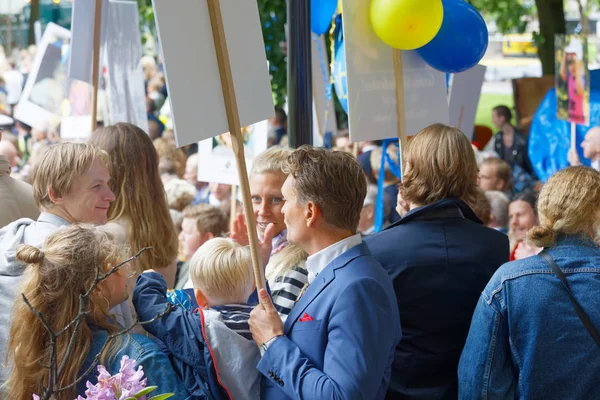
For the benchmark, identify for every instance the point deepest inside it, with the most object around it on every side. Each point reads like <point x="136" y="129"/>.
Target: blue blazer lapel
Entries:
<point x="322" y="281"/>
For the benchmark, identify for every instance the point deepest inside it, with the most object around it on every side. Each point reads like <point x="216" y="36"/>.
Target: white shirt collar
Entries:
<point x="318" y="261"/>
<point x="596" y="164"/>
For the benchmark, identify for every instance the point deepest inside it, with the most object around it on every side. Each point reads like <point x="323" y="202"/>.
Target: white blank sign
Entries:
<point x="192" y="72"/>
<point x="372" y="86"/>
<point x="464" y="98"/>
<point x="82" y="42"/>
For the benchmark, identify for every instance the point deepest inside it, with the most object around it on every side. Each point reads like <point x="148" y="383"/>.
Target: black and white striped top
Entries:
<point x="235" y="317"/>
<point x="286" y="288"/>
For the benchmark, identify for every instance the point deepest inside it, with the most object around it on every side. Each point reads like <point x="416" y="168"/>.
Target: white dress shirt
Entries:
<point x="318" y="261"/>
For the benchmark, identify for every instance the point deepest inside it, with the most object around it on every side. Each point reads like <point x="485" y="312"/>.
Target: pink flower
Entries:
<point x="126" y="383"/>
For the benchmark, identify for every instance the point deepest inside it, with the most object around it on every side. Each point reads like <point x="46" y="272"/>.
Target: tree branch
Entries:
<point x="56" y="371"/>
<point x="158" y="316"/>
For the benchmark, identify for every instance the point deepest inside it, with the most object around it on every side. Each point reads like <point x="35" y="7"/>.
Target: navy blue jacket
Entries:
<point x="181" y="333"/>
<point x="440" y="258"/>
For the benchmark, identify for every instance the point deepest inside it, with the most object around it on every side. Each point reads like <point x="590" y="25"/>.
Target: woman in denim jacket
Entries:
<point x="526" y="339"/>
<point x="55" y="279"/>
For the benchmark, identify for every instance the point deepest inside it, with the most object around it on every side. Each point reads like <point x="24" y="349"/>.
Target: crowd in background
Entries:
<point x="451" y="318"/>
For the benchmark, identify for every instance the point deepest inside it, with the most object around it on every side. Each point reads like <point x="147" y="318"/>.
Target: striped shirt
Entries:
<point x="235" y="317"/>
<point x="286" y="288"/>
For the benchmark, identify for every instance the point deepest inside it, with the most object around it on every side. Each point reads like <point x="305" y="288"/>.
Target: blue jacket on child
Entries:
<point x="198" y="344"/>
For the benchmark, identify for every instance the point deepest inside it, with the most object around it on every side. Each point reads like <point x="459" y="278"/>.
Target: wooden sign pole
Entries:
<point x="400" y="104"/>
<point x="235" y="130"/>
<point x="96" y="63"/>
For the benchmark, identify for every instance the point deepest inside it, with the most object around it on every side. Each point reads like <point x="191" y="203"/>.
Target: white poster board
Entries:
<point x="323" y="110"/>
<point x="217" y="161"/>
<point x="372" y="86"/>
<point x="465" y="91"/>
<point x="82" y="28"/>
<point x="192" y="71"/>
<point x="125" y="78"/>
<point x="49" y="95"/>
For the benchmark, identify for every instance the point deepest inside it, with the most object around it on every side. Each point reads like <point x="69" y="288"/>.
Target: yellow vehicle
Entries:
<point x="518" y="45"/>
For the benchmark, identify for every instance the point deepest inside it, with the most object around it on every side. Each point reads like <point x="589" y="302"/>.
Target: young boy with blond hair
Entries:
<point x="211" y="348"/>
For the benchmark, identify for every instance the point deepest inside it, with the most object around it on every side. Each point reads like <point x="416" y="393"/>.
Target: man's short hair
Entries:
<point x="209" y="219"/>
<point x="222" y="270"/>
<point x="503" y="171"/>
<point x="59" y="166"/>
<point x="440" y="163"/>
<point x="333" y="180"/>
<point x="499" y="206"/>
<point x="503" y="111"/>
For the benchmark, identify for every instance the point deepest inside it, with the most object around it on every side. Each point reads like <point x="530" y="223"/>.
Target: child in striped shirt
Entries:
<point x="212" y="347"/>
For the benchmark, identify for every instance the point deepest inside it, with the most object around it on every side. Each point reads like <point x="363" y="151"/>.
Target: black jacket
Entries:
<point x="440" y="258"/>
<point x="519" y="154"/>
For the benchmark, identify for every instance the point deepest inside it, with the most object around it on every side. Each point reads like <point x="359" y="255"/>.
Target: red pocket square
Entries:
<point x="306" y="318"/>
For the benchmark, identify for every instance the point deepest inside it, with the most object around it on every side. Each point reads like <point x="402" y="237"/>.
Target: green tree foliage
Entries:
<point x="512" y="16"/>
<point x="273" y="15"/>
<point x="509" y="15"/>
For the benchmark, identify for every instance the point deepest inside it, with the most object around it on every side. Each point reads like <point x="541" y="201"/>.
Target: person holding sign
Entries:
<point x="339" y="339"/>
<point x="440" y="258"/>
<point x="572" y="71"/>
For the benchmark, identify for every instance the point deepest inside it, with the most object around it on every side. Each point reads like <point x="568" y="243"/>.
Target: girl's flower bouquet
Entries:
<point x="128" y="384"/>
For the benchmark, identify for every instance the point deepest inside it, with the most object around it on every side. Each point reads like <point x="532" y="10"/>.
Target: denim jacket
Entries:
<point x="526" y="340"/>
<point x="156" y="365"/>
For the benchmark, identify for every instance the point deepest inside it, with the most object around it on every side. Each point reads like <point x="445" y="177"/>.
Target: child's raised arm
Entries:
<point x="177" y="329"/>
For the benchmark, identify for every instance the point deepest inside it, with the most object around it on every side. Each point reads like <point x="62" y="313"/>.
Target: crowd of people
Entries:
<point x="480" y="281"/>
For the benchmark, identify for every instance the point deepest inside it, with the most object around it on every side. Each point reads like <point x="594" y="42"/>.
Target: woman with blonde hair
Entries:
<point x="440" y="257"/>
<point x="70" y="185"/>
<point x="141" y="204"/>
<point x="55" y="280"/>
<point x="535" y="330"/>
<point x="285" y="272"/>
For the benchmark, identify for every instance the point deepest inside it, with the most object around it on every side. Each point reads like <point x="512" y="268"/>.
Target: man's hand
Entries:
<point x="265" y="323"/>
<point x="573" y="157"/>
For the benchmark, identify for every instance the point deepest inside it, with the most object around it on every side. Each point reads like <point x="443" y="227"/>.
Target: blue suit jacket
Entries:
<point x="346" y="350"/>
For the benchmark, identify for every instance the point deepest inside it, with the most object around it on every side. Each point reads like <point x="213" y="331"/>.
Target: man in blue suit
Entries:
<point x="440" y="258"/>
<point x="339" y="340"/>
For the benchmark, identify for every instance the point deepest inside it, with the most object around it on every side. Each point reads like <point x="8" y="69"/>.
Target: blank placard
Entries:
<point x="192" y="72"/>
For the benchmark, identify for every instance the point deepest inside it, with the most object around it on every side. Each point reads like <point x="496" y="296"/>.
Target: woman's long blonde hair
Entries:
<point x="54" y="280"/>
<point x="140" y="194"/>
<point x="569" y="203"/>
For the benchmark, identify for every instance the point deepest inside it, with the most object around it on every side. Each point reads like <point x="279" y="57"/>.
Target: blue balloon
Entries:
<point x="461" y="42"/>
<point x="321" y="14"/>
<point x="340" y="81"/>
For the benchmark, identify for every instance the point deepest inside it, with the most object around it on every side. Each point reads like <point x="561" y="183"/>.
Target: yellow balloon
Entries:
<point x="406" y="24"/>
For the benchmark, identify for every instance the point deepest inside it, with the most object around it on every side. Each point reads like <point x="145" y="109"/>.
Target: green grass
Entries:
<point x="486" y="103"/>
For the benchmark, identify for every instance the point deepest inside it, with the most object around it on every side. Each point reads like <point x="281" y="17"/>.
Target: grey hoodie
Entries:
<point x="22" y="231"/>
